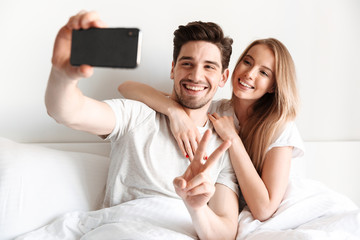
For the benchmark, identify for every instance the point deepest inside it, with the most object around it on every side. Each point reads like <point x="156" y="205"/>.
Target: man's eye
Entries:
<point x="246" y="62"/>
<point x="209" y="67"/>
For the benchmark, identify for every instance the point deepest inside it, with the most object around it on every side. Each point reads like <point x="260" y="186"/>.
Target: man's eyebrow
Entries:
<point x="207" y="61"/>
<point x="185" y="58"/>
<point x="212" y="62"/>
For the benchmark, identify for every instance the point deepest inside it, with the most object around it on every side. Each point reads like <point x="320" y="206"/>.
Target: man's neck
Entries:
<point x="198" y="116"/>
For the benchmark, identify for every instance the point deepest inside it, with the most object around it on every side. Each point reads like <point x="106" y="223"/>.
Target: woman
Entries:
<point x="263" y="135"/>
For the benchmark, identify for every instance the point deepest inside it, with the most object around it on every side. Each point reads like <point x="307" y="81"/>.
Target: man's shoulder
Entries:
<point x="131" y="110"/>
<point x="123" y="103"/>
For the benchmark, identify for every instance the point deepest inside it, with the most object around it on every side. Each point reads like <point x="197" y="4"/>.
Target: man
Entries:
<point x="145" y="160"/>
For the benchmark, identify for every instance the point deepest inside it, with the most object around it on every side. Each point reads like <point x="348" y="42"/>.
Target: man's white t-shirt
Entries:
<point x="145" y="157"/>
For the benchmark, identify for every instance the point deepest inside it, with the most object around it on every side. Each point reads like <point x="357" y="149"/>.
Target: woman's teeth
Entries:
<point x="245" y="85"/>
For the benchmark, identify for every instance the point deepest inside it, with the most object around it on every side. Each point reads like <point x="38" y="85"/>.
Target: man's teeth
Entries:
<point x="194" y="88"/>
<point x="246" y="85"/>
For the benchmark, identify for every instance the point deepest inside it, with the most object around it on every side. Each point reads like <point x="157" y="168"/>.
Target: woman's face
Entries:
<point x="255" y="74"/>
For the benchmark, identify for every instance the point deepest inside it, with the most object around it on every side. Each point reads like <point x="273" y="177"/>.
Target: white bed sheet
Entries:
<point x="141" y="219"/>
<point x="310" y="210"/>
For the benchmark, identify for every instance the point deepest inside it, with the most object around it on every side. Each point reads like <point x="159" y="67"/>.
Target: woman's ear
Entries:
<point x="224" y="77"/>
<point x="272" y="89"/>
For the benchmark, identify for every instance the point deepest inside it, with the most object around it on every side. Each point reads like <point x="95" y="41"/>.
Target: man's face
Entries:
<point x="197" y="74"/>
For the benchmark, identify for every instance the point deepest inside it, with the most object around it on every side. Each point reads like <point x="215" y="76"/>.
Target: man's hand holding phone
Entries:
<point x="62" y="46"/>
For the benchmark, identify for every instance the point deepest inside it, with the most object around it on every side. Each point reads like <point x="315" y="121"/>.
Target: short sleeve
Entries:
<point x="227" y="177"/>
<point x="290" y="137"/>
<point x="128" y="114"/>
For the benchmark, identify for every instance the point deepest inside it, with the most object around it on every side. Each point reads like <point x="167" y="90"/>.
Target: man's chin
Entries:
<point x="193" y="104"/>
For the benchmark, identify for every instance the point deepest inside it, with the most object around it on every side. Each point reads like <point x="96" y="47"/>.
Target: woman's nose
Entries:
<point x="250" y="73"/>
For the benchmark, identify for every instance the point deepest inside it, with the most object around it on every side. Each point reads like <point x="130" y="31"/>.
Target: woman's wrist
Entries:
<point x="233" y="138"/>
<point x="174" y="110"/>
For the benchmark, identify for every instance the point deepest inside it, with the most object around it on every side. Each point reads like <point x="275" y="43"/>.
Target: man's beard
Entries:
<point x="189" y="103"/>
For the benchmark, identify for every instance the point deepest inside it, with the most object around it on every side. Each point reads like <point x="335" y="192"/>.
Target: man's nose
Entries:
<point x="196" y="73"/>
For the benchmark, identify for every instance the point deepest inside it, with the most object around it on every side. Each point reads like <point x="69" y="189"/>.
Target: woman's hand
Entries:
<point x="224" y="126"/>
<point x="185" y="132"/>
<point x="182" y="127"/>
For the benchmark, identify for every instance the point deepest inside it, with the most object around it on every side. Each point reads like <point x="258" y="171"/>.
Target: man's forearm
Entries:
<point x="209" y="225"/>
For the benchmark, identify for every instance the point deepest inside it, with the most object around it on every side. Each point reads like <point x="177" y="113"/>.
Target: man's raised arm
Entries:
<point x="63" y="99"/>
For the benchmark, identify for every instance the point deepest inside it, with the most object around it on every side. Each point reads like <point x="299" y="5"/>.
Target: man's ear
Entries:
<point x="172" y="70"/>
<point x="224" y="77"/>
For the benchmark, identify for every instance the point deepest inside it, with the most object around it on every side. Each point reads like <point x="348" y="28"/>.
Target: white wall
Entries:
<point x="323" y="37"/>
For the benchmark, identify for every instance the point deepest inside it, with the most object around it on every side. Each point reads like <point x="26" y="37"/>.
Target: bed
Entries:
<point x="40" y="183"/>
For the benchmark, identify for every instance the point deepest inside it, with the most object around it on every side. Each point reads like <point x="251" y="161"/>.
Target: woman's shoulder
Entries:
<point x="221" y="106"/>
<point x="290" y="136"/>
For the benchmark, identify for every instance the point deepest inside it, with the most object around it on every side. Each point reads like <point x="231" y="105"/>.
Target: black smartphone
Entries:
<point x="106" y="47"/>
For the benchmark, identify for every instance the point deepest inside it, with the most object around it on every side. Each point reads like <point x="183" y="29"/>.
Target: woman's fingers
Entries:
<point x="200" y="152"/>
<point x="185" y="146"/>
<point x="188" y="144"/>
<point x="188" y="149"/>
<point x="214" y="116"/>
<point x="181" y="146"/>
<point x="194" y="146"/>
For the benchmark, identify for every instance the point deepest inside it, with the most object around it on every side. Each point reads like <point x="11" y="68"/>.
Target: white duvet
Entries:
<point x="308" y="211"/>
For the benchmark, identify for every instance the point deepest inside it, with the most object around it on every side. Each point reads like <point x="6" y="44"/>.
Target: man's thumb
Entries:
<point x="179" y="183"/>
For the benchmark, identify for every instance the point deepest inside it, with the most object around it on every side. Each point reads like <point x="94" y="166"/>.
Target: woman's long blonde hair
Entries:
<point x="272" y="111"/>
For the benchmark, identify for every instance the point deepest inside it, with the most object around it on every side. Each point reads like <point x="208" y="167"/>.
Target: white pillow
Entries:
<point x="37" y="184"/>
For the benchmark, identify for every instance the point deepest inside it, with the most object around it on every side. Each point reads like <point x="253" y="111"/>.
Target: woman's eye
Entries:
<point x="264" y="73"/>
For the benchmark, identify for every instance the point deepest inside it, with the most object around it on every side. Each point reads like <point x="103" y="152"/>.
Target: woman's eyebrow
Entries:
<point x="247" y="55"/>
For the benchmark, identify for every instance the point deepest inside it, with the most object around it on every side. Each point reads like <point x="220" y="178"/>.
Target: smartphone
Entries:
<point x="106" y="47"/>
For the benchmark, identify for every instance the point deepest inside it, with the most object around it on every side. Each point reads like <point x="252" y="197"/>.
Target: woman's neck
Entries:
<point x="242" y="110"/>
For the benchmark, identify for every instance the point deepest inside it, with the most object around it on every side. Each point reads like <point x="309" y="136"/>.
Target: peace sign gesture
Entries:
<point x="195" y="186"/>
